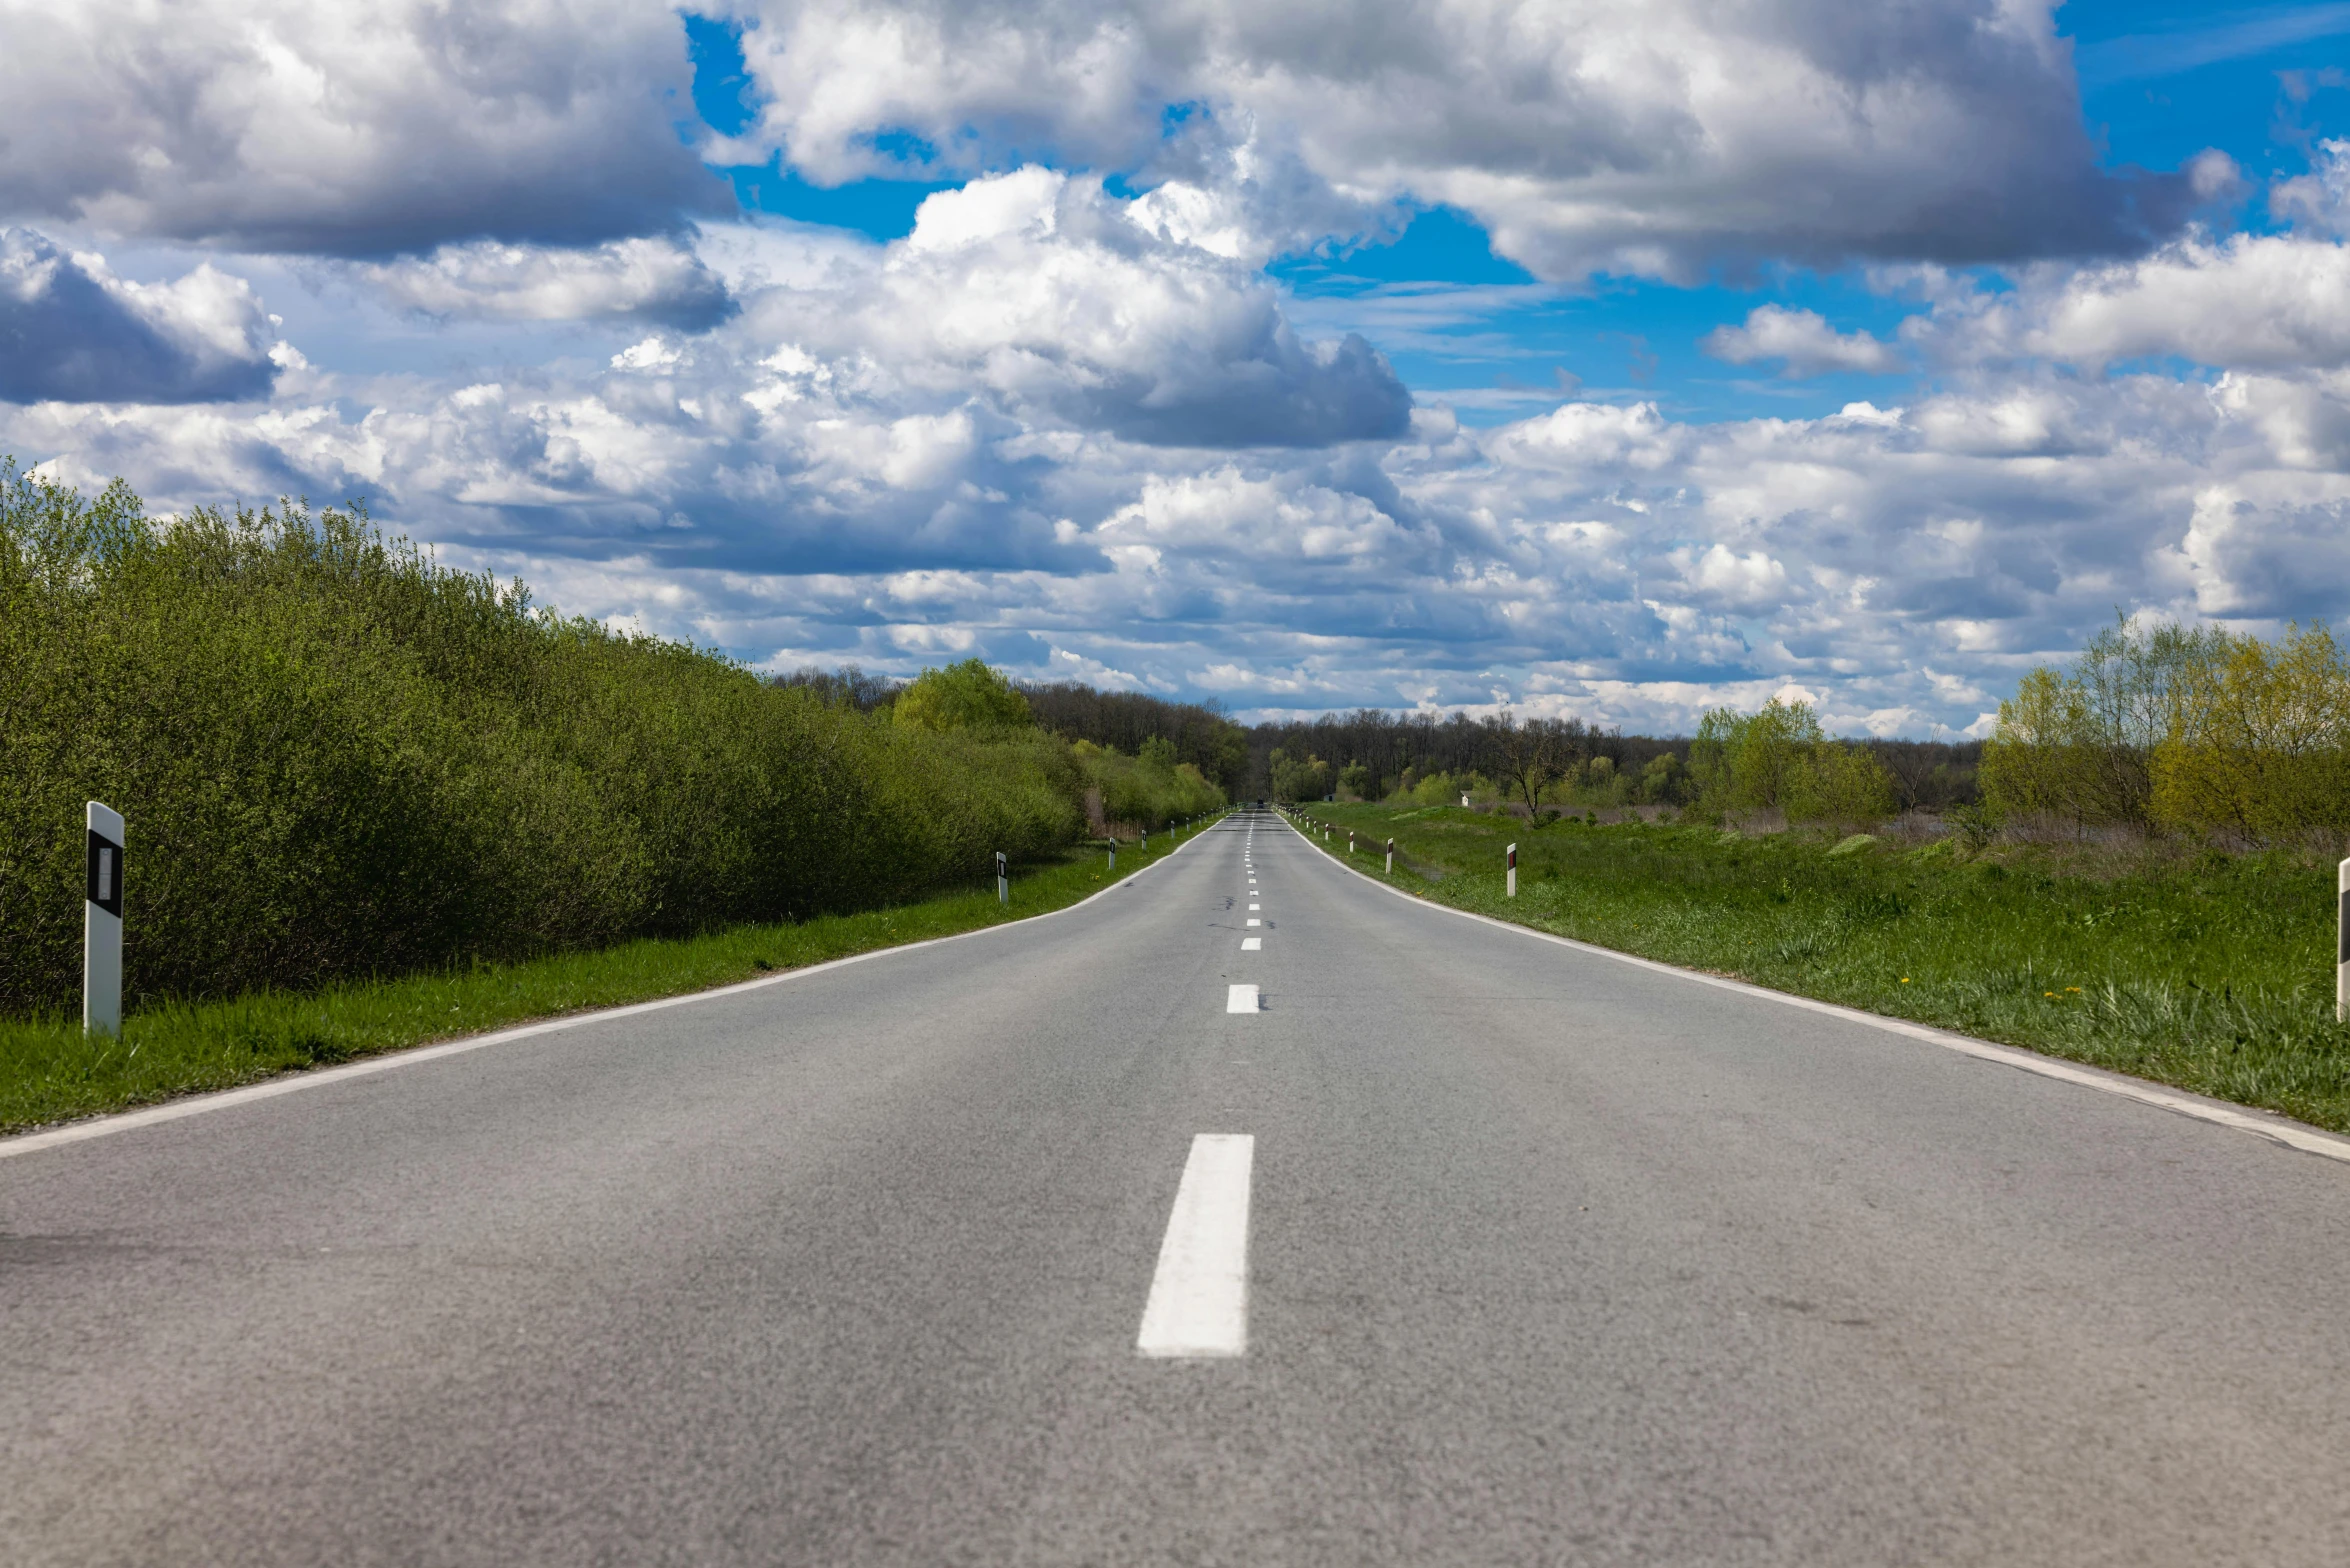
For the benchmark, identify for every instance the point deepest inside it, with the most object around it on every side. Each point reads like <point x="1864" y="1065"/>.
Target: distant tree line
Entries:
<point x="1373" y="754"/>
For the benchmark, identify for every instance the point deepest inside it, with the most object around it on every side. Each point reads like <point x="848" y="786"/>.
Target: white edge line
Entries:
<point x="384" y="1062"/>
<point x="2297" y="1135"/>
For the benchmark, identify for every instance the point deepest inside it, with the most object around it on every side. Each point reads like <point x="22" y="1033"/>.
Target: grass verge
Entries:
<point x="2209" y="972"/>
<point x="51" y="1072"/>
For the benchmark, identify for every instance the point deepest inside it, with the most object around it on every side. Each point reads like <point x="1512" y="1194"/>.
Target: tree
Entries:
<point x="1299" y="778"/>
<point x="2036" y="762"/>
<point x="962" y="696"/>
<point x="2080" y="743"/>
<point x="2261" y="739"/>
<point x="1660" y="781"/>
<point x="1839" y="782"/>
<point x="1532" y="754"/>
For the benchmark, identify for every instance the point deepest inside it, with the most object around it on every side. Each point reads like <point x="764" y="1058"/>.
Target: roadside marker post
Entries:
<point x="2342" y="954"/>
<point x="1003" y="881"/>
<point x="1391" y="857"/>
<point x="1350" y="841"/>
<point x="102" y="922"/>
<point x="1513" y="892"/>
<point x="1113" y="854"/>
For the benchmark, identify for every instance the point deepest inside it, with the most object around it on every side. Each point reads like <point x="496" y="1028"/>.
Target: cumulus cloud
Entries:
<point x="1803" y="341"/>
<point x="1650" y="138"/>
<point x="2319" y="199"/>
<point x="2244" y="301"/>
<point x="1592" y="436"/>
<point x="346" y="129"/>
<point x="1043" y="293"/>
<point x="656" y="279"/>
<point x="2250" y="301"/>
<point x="71" y="330"/>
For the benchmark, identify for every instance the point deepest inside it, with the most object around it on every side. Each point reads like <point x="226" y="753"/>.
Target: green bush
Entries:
<point x="338" y="759"/>
<point x="965" y="696"/>
<point x="1298" y="778"/>
<point x="1148" y="791"/>
<point x="1778" y="759"/>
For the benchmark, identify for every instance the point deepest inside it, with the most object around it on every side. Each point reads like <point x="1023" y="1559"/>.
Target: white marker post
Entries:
<point x="1350" y="841"/>
<point x="1113" y="854"/>
<point x="102" y="923"/>
<point x="1464" y="802"/>
<point x="1003" y="880"/>
<point x="1513" y="871"/>
<point x="2342" y="956"/>
<point x="1391" y="857"/>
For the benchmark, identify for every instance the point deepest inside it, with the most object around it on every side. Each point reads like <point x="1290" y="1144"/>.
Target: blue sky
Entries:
<point x="1567" y="355"/>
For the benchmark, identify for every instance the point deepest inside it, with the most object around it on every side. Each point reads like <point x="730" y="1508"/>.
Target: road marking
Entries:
<point x="1253" y="908"/>
<point x="1256" y="922"/>
<point x="1240" y="999"/>
<point x="1252" y="944"/>
<point x="1198" y="1303"/>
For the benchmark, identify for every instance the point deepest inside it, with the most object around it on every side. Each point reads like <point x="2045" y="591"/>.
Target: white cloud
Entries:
<point x="74" y="331"/>
<point x="655" y="279"/>
<point x="2320" y="198"/>
<point x="1804" y="340"/>
<point x="1721" y="575"/>
<point x="1040" y="291"/>
<point x="1592" y="435"/>
<point x="2251" y="301"/>
<point x="1619" y="135"/>
<point x="2244" y="301"/>
<point x="348" y="129"/>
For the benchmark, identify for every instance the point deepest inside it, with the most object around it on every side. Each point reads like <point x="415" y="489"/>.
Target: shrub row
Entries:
<point x="338" y="759"/>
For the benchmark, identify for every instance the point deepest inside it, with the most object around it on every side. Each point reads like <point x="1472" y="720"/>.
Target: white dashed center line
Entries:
<point x="1256" y="922"/>
<point x="1199" y="1297"/>
<point x="1240" y="999"/>
<point x="1252" y="944"/>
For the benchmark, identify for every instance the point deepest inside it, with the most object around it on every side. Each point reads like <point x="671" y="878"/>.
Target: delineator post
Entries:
<point x="2342" y="952"/>
<point x="102" y="922"/>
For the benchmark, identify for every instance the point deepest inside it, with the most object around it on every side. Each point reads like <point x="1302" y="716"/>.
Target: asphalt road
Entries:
<point x="1548" y="1259"/>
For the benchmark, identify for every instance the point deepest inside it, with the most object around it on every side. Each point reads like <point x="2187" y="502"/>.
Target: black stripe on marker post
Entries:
<point x="105" y="874"/>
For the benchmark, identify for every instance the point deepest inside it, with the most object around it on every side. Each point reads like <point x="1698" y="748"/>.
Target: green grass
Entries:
<point x="2211" y="972"/>
<point x="50" y="1071"/>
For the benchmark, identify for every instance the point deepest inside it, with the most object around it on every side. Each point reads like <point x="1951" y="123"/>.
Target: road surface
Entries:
<point x="1450" y="1246"/>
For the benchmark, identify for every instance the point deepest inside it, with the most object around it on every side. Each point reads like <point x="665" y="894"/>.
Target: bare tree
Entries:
<point x="1534" y="753"/>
